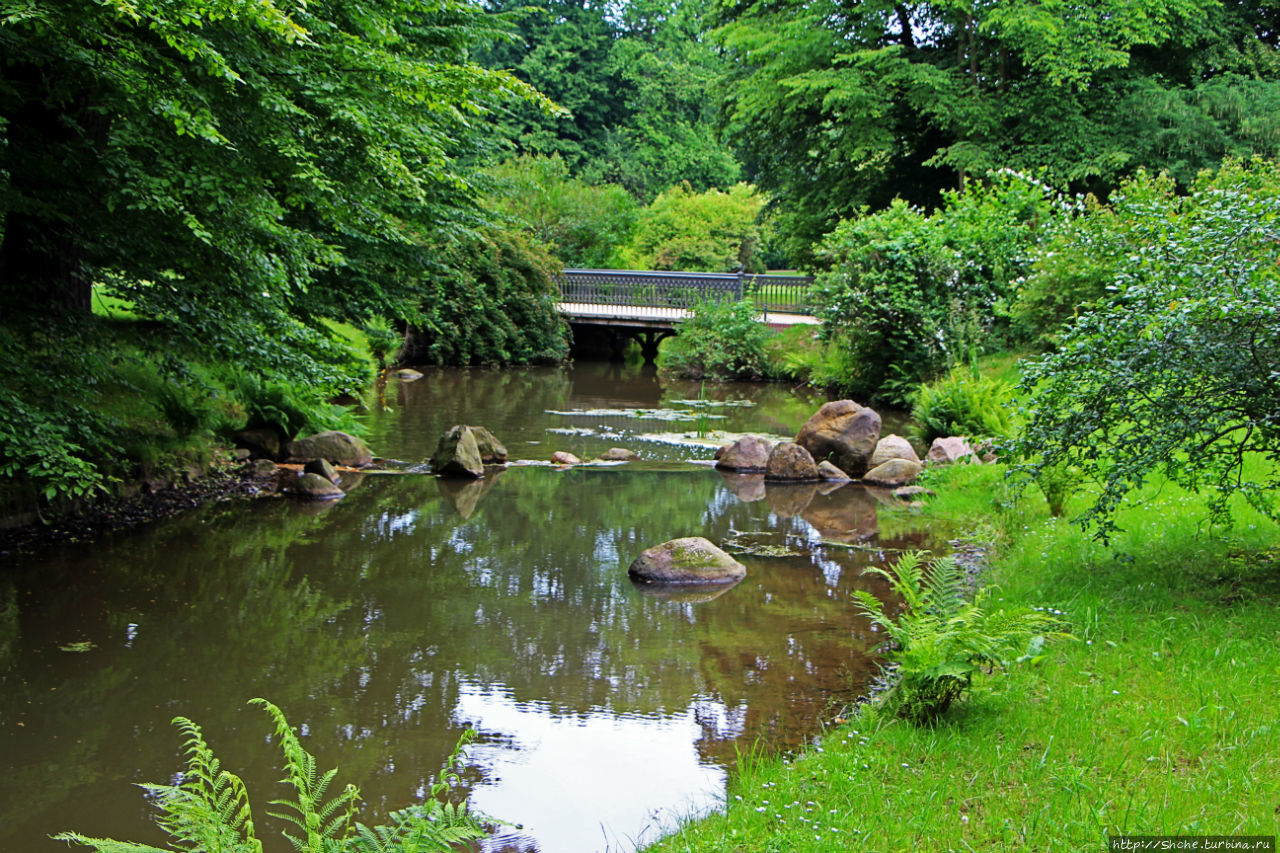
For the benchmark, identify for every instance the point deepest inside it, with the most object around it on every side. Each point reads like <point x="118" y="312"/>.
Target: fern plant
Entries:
<point x="943" y="637"/>
<point x="208" y="810"/>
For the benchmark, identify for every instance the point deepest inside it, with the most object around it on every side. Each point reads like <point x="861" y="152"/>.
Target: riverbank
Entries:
<point x="1159" y="718"/>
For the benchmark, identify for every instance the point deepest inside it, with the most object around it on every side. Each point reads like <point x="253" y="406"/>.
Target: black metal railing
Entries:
<point x="636" y="288"/>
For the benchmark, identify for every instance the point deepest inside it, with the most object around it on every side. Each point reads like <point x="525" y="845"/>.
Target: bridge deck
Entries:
<point x="659" y="318"/>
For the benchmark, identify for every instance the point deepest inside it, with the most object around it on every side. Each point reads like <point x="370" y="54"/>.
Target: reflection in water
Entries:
<point x="414" y="605"/>
<point x="589" y="781"/>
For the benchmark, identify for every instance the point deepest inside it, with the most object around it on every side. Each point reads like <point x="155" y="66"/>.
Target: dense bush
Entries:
<point x="1079" y="258"/>
<point x="713" y="231"/>
<point x="908" y="293"/>
<point x="490" y="300"/>
<point x="722" y="340"/>
<point x="582" y="225"/>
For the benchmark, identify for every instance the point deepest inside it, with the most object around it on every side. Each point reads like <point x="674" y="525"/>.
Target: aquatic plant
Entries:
<point x="208" y="808"/>
<point x="943" y="637"/>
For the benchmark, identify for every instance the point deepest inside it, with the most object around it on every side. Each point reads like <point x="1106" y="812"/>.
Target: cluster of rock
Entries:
<point x="267" y="453"/>
<point x="463" y="451"/>
<point x="841" y="441"/>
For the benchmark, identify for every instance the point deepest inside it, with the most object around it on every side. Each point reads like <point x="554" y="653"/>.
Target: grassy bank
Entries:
<point x="1159" y="718"/>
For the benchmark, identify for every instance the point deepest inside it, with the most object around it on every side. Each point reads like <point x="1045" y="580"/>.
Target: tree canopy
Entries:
<point x="836" y="106"/>
<point x="239" y="169"/>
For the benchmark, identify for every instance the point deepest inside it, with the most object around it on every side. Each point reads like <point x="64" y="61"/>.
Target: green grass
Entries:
<point x="1160" y="718"/>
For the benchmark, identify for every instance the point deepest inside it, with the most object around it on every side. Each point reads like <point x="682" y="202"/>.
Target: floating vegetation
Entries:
<point x="572" y="430"/>
<point x="82" y="646"/>
<point x="712" y="439"/>
<point x="764" y="543"/>
<point x="712" y="404"/>
<point x="636" y="414"/>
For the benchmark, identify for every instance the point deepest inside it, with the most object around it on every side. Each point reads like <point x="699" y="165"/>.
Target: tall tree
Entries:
<point x="840" y="105"/>
<point x="634" y="78"/>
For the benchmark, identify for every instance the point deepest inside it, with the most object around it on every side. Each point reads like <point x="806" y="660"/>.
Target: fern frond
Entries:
<point x="308" y="810"/>
<point x="107" y="845"/>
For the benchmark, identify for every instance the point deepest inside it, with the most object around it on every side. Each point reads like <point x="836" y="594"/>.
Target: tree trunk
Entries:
<point x="52" y="154"/>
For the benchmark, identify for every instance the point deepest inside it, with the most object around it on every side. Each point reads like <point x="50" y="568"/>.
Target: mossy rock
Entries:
<point x="691" y="560"/>
<point x="340" y="448"/>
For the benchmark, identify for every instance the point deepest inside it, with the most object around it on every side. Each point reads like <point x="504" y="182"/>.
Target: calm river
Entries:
<point x="385" y="623"/>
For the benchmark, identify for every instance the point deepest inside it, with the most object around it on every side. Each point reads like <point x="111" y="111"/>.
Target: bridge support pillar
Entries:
<point x="649" y="340"/>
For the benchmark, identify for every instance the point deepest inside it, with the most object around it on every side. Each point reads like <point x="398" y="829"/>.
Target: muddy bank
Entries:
<point x="110" y="514"/>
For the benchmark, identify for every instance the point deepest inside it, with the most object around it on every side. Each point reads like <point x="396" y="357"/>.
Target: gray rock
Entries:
<point x="892" y="447"/>
<point x="827" y="471"/>
<point x="895" y="472"/>
<point x="322" y="468"/>
<point x="242" y="454"/>
<point x="843" y="432"/>
<point x="949" y="450"/>
<point x="749" y="453"/>
<point x="619" y="454"/>
<point x="311" y="487"/>
<point x="691" y="560"/>
<point x="340" y="448"/>
<point x="790" y="462"/>
<point x="458" y="454"/>
<point x="564" y="457"/>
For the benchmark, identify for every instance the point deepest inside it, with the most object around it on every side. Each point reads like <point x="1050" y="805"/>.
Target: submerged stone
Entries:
<point x="691" y="560"/>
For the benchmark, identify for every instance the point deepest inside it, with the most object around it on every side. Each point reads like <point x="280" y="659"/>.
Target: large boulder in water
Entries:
<point x="458" y="454"/>
<point x="340" y="448"/>
<point x="749" y="453"/>
<point x="691" y="560"/>
<point x="789" y="461"/>
<point x="844" y="433"/>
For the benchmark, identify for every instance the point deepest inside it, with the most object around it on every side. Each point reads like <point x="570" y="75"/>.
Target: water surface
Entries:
<point x="385" y="623"/>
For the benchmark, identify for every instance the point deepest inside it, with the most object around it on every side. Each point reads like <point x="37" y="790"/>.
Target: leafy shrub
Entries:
<point x="208" y="808"/>
<point x="582" y="225"/>
<point x="917" y="292"/>
<point x="942" y="638"/>
<point x="1175" y="371"/>
<point x="964" y="402"/>
<point x="1079" y="258"/>
<point x="289" y="408"/>
<point x="714" y="231"/>
<point x="722" y="340"/>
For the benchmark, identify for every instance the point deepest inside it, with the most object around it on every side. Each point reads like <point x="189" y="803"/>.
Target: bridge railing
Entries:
<point x="638" y="288"/>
